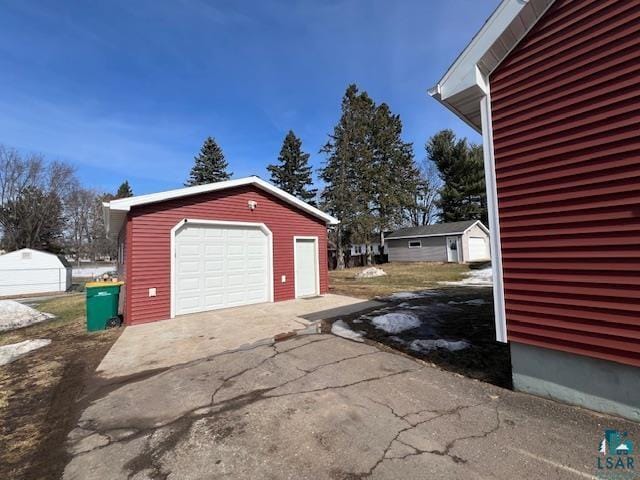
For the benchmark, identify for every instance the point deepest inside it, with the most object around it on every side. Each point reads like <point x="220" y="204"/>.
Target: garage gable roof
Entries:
<point x="466" y="80"/>
<point x="115" y="211"/>
<point x="437" y="230"/>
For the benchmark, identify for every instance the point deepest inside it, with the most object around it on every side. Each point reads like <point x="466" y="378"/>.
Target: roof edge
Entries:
<point x="125" y="204"/>
<point x="467" y="77"/>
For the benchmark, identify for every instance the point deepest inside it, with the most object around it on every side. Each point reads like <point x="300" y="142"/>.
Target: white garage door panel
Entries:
<point x="478" y="249"/>
<point x="220" y="266"/>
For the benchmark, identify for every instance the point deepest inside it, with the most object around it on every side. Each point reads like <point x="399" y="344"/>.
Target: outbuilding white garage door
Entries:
<point x="220" y="266"/>
<point x="478" y="248"/>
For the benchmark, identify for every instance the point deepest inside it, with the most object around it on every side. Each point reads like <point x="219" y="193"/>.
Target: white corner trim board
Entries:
<point x="494" y="219"/>
<point x="189" y="221"/>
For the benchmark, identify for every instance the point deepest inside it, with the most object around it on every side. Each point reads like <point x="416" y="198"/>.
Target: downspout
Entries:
<point x="494" y="218"/>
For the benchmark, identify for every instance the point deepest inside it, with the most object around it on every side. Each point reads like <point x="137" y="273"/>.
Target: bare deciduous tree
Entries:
<point x="424" y="209"/>
<point x="32" y="197"/>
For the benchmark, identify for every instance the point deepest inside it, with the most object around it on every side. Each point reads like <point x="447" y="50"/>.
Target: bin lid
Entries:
<point x="102" y="284"/>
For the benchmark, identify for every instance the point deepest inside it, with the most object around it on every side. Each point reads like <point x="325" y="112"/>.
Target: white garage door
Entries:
<point x="219" y="267"/>
<point x="478" y="249"/>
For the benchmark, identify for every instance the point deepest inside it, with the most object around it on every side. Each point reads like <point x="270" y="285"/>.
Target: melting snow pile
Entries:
<point x="371" y="272"/>
<point x="396" y="322"/>
<point x="478" y="278"/>
<point x="341" y="329"/>
<point x="16" y="315"/>
<point x="411" y="295"/>
<point x="9" y="353"/>
<point x="475" y="301"/>
<point x="428" y="345"/>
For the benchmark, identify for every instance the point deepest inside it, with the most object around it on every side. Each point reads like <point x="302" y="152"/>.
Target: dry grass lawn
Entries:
<point x="401" y="277"/>
<point x="39" y="393"/>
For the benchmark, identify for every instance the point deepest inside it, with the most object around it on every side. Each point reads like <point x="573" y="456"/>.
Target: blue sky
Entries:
<point x="128" y="89"/>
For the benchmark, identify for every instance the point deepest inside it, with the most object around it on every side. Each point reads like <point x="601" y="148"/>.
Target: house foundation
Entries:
<point x="592" y="383"/>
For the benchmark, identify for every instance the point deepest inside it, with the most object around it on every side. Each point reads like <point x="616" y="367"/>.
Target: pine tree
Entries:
<point x="396" y="177"/>
<point x="370" y="174"/>
<point x="124" y="190"/>
<point x="293" y="173"/>
<point x="210" y="165"/>
<point x="461" y="169"/>
<point x="340" y="172"/>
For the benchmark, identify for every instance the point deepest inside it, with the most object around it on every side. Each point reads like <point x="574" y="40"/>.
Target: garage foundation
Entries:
<point x="595" y="384"/>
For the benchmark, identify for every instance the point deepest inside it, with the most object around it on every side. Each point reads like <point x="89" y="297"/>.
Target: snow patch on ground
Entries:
<point x="340" y="328"/>
<point x="475" y="301"/>
<point x="396" y="322"/>
<point x="9" y="353"/>
<point x="371" y="272"/>
<point x="396" y="339"/>
<point x="478" y="278"/>
<point x="16" y="315"/>
<point x="411" y="295"/>
<point x="86" y="272"/>
<point x="428" y="345"/>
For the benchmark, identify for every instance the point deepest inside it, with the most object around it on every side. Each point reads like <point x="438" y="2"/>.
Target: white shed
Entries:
<point x="30" y="271"/>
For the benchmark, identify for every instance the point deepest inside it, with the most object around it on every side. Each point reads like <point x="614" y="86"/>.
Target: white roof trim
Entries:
<point x="486" y="230"/>
<point x="125" y="204"/>
<point x="466" y="80"/>
<point x="449" y="234"/>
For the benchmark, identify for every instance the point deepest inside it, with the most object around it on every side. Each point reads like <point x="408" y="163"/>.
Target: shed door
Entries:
<point x="306" y="261"/>
<point x="220" y="266"/>
<point x="478" y="249"/>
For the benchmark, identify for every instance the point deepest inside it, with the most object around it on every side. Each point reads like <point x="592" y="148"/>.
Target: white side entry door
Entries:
<point x="453" y="249"/>
<point x="306" y="266"/>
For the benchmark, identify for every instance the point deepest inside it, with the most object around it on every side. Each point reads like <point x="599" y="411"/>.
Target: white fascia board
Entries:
<point x="464" y="78"/>
<point x="496" y="24"/>
<point x="125" y="204"/>
<point x="477" y="222"/>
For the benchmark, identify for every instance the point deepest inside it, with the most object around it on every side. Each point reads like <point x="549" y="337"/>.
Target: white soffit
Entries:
<point x="462" y="86"/>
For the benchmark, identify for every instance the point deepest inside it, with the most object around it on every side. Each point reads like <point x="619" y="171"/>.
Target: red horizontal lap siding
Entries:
<point x="566" y="117"/>
<point x="148" y="241"/>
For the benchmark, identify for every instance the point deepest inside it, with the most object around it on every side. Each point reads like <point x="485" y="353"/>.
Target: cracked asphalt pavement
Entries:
<point x="322" y="407"/>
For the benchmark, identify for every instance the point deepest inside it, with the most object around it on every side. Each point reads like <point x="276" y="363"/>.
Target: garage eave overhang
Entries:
<point x="115" y="212"/>
<point x="466" y="82"/>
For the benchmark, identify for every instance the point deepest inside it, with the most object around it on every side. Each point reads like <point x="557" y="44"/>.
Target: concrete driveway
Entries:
<point x="190" y="337"/>
<point x="322" y="407"/>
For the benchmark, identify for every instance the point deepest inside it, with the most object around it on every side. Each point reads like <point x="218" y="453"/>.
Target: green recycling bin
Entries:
<point x="102" y="305"/>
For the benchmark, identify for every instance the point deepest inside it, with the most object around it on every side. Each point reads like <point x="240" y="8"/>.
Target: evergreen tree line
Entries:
<point x="371" y="180"/>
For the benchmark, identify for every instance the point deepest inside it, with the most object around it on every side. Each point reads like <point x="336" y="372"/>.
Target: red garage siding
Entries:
<point x="566" y="127"/>
<point x="149" y="243"/>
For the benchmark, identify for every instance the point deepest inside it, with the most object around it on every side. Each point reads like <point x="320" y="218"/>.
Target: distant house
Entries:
<point x="457" y="242"/>
<point x="29" y="271"/>
<point x="361" y="249"/>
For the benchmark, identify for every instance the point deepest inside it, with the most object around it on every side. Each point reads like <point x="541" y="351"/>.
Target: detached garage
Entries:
<point x="214" y="246"/>
<point x="455" y="242"/>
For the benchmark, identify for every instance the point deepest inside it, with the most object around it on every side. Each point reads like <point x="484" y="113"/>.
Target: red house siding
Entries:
<point x="566" y="127"/>
<point x="148" y="261"/>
